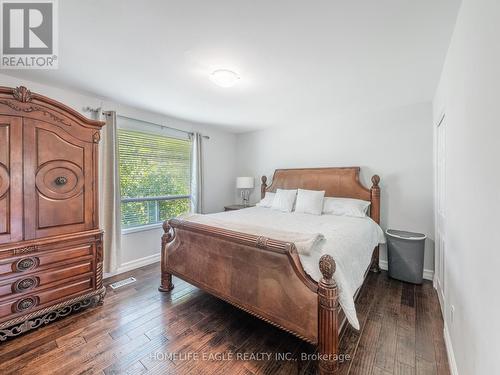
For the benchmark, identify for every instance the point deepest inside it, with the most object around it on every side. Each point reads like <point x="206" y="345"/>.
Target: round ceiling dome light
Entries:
<point x="224" y="77"/>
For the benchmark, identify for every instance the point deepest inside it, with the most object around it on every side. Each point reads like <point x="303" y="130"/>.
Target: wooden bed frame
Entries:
<point x="265" y="277"/>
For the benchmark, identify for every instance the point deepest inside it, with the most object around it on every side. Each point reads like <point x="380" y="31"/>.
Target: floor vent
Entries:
<point x="123" y="282"/>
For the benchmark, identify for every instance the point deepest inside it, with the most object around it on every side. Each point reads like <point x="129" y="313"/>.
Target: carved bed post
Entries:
<point x="375" y="215"/>
<point x="166" y="278"/>
<point x="263" y="187"/>
<point x="328" y="335"/>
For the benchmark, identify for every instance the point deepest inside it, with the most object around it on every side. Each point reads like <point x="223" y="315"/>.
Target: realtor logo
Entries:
<point x="29" y="34"/>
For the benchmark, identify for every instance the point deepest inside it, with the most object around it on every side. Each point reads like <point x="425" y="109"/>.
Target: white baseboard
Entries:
<point x="449" y="350"/>
<point x="428" y="274"/>
<point x="439" y="291"/>
<point x="136" y="263"/>
<point x="446" y="332"/>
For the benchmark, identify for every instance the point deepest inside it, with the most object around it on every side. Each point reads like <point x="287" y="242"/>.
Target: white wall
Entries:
<point x="469" y="94"/>
<point x="218" y="152"/>
<point x="395" y="144"/>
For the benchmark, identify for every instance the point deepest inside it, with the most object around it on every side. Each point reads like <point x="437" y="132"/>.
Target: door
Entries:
<point x="440" y="257"/>
<point x="11" y="179"/>
<point x="58" y="187"/>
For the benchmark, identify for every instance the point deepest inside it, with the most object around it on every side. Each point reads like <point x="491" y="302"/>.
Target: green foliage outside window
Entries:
<point x="152" y="166"/>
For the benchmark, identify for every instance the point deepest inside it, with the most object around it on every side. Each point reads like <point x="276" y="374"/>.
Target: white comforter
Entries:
<point x="349" y="240"/>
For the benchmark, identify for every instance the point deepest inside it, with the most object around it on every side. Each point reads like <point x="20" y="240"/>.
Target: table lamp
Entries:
<point x="245" y="184"/>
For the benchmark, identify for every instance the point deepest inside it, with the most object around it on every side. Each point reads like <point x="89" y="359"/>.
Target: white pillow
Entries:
<point x="345" y="206"/>
<point x="309" y="201"/>
<point x="284" y="200"/>
<point x="267" y="201"/>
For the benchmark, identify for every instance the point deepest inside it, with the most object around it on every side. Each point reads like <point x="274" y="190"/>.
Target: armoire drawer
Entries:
<point x="37" y="300"/>
<point x="44" y="259"/>
<point x="40" y="280"/>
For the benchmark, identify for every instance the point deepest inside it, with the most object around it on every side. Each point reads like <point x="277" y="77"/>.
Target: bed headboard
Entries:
<point x="337" y="182"/>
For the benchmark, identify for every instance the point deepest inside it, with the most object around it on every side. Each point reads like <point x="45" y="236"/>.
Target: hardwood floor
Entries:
<point x="139" y="331"/>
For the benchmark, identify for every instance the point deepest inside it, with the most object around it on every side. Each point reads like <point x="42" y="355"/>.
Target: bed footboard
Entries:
<point x="264" y="277"/>
<point x="259" y="275"/>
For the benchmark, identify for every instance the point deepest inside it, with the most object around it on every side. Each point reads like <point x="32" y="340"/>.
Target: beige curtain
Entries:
<point x="110" y="212"/>
<point x="197" y="175"/>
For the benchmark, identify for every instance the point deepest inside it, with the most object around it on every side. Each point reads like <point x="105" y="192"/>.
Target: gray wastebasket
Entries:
<point x="405" y="251"/>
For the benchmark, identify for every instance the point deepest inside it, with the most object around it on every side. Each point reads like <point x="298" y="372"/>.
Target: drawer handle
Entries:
<point x="26" y="264"/>
<point x="25" y="304"/>
<point x="60" y="181"/>
<point x="25" y="284"/>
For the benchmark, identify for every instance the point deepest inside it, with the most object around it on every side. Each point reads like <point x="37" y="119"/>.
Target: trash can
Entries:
<point x="405" y="251"/>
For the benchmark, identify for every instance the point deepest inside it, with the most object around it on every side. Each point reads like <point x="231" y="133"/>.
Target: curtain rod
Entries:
<point x="88" y="109"/>
<point x="160" y="125"/>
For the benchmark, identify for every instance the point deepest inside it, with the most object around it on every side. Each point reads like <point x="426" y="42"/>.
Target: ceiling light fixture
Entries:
<point x="224" y="77"/>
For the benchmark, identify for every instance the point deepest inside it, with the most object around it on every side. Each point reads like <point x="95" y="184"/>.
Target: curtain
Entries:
<point x="197" y="175"/>
<point x="110" y="204"/>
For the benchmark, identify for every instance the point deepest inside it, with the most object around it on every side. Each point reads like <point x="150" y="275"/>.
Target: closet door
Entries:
<point x="11" y="179"/>
<point x="58" y="186"/>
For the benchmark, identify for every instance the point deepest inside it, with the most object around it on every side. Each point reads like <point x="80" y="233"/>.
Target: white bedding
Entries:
<point x="349" y="240"/>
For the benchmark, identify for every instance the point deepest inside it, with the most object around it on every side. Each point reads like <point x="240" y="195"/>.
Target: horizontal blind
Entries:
<point x="153" y="170"/>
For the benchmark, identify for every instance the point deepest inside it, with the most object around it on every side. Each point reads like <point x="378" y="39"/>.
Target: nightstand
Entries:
<point x="233" y="207"/>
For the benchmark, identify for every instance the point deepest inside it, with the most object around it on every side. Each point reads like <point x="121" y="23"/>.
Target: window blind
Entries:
<point x="155" y="177"/>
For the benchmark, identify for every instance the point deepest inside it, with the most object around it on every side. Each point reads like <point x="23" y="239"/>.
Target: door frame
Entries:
<point x="439" y="225"/>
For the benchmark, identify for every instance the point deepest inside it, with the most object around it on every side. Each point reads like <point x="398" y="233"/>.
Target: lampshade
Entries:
<point x="244" y="182"/>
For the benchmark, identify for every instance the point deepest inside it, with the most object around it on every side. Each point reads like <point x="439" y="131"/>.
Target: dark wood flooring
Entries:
<point x="139" y="331"/>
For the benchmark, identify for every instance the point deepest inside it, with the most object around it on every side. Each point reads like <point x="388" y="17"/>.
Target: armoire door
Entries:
<point x="11" y="179"/>
<point x="58" y="186"/>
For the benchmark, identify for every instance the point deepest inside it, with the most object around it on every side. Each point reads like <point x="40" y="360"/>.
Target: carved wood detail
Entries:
<point x="69" y="182"/>
<point x="52" y="228"/>
<point x="98" y="276"/>
<point x="375" y="199"/>
<point x="263" y="187"/>
<point x="99" y="260"/>
<point x="35" y="108"/>
<point x="328" y="338"/>
<point x="52" y="106"/>
<point x="25" y="250"/>
<point x="4" y="180"/>
<point x="261" y="242"/>
<point x="22" y="94"/>
<point x="25" y="284"/>
<point x="375" y="215"/>
<point x="99" y="248"/>
<point x="26" y="264"/>
<point x="25" y="323"/>
<point x="24" y="304"/>
<point x="166" y="284"/>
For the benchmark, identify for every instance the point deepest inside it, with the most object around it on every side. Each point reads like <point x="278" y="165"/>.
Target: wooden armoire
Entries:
<point x="50" y="244"/>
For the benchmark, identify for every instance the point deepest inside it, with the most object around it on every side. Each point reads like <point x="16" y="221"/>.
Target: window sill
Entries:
<point x="142" y="228"/>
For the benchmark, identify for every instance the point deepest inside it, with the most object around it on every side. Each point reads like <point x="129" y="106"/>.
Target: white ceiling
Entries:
<point x="298" y="60"/>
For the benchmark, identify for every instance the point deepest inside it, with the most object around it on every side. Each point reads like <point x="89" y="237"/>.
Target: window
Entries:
<point x="155" y="177"/>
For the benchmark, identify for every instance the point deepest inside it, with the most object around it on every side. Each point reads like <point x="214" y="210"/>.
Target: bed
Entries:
<point x="267" y="277"/>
